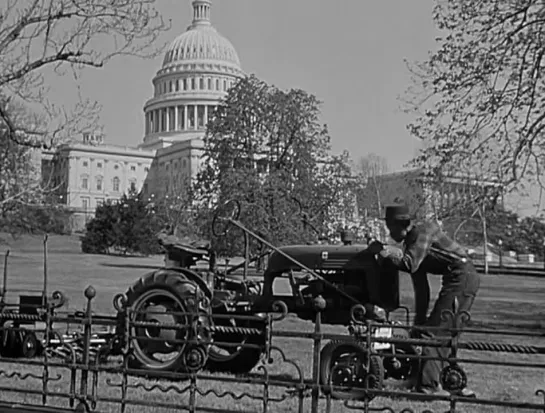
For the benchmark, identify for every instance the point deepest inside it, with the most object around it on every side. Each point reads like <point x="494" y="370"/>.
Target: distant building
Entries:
<point x="198" y="69"/>
<point x="85" y="175"/>
<point x="425" y="198"/>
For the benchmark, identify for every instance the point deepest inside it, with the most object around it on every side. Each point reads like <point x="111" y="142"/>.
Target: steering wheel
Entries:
<point x="304" y="216"/>
<point x="227" y="212"/>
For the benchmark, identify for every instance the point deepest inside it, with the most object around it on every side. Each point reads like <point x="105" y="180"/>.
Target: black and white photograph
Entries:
<point x="269" y="206"/>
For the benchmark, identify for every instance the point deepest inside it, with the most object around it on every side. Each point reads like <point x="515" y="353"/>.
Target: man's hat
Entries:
<point x="399" y="212"/>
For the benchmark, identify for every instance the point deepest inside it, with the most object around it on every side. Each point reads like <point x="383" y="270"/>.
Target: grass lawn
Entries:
<point x="516" y="302"/>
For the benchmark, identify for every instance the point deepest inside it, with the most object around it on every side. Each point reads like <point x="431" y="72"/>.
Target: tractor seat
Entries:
<point x="198" y="247"/>
<point x="187" y="249"/>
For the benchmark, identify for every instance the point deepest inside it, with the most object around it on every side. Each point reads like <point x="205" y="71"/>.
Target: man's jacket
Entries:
<point x="428" y="249"/>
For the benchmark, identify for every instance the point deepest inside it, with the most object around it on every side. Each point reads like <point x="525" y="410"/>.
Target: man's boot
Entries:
<point x="438" y="391"/>
<point x="466" y="393"/>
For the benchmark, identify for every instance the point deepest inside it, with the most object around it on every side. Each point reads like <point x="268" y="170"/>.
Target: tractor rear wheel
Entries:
<point x="159" y="297"/>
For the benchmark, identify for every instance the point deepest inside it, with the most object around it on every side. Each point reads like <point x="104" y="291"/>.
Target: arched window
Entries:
<point x="99" y="181"/>
<point x="201" y="83"/>
<point x="116" y="184"/>
<point x="217" y="84"/>
<point x="209" y="84"/>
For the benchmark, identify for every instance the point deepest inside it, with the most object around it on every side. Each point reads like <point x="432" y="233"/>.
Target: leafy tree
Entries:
<point x="266" y="148"/>
<point x="127" y="226"/>
<point x="478" y="95"/>
<point x="532" y="237"/>
<point x="100" y="234"/>
<point x="175" y="209"/>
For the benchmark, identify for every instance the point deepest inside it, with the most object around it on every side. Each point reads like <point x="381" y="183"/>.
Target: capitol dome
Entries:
<point x="201" y="46"/>
<point x="201" y="43"/>
<point x="198" y="69"/>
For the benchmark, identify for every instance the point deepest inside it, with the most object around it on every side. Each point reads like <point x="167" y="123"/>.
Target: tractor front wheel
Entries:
<point x="347" y="371"/>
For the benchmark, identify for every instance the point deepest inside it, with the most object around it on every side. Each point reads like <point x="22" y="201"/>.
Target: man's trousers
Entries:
<point x="459" y="286"/>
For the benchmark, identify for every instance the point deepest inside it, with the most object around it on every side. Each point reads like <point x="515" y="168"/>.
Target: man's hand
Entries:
<point x="375" y="247"/>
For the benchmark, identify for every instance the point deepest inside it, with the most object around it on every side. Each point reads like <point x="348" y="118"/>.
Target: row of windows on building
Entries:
<point x="188" y="84"/>
<point x="86" y="202"/>
<point x="178" y="118"/>
<point x="99" y="184"/>
<point x="175" y="165"/>
<point x="100" y="165"/>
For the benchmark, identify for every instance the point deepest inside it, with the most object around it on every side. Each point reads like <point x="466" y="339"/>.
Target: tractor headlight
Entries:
<point x="380" y="312"/>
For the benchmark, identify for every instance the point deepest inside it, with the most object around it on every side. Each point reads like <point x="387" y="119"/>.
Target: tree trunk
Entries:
<point x="377" y="191"/>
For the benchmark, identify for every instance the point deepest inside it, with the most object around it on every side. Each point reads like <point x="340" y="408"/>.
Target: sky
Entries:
<point x="348" y="53"/>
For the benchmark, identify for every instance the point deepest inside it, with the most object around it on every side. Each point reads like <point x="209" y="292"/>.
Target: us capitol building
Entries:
<point x="198" y="69"/>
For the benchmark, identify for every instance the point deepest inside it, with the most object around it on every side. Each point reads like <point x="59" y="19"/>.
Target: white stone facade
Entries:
<point x="198" y="69"/>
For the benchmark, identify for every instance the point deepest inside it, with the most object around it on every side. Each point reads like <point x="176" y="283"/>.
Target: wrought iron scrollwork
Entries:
<point x="280" y="310"/>
<point x="357" y="314"/>
<point x="120" y="302"/>
<point x="57" y="300"/>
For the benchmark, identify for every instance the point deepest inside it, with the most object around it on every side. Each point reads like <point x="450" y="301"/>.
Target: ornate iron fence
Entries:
<point x="79" y="370"/>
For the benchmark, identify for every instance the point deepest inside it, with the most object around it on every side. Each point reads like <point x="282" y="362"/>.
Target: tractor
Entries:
<point x="343" y="277"/>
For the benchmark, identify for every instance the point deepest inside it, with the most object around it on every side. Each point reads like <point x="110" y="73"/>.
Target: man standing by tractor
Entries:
<point x="427" y="249"/>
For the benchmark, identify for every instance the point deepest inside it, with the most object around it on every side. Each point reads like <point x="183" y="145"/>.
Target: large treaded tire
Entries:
<point x="174" y="285"/>
<point x="331" y="352"/>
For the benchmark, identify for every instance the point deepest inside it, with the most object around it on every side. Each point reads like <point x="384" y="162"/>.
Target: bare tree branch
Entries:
<point x="38" y="39"/>
<point x="478" y="95"/>
<point x="36" y="35"/>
